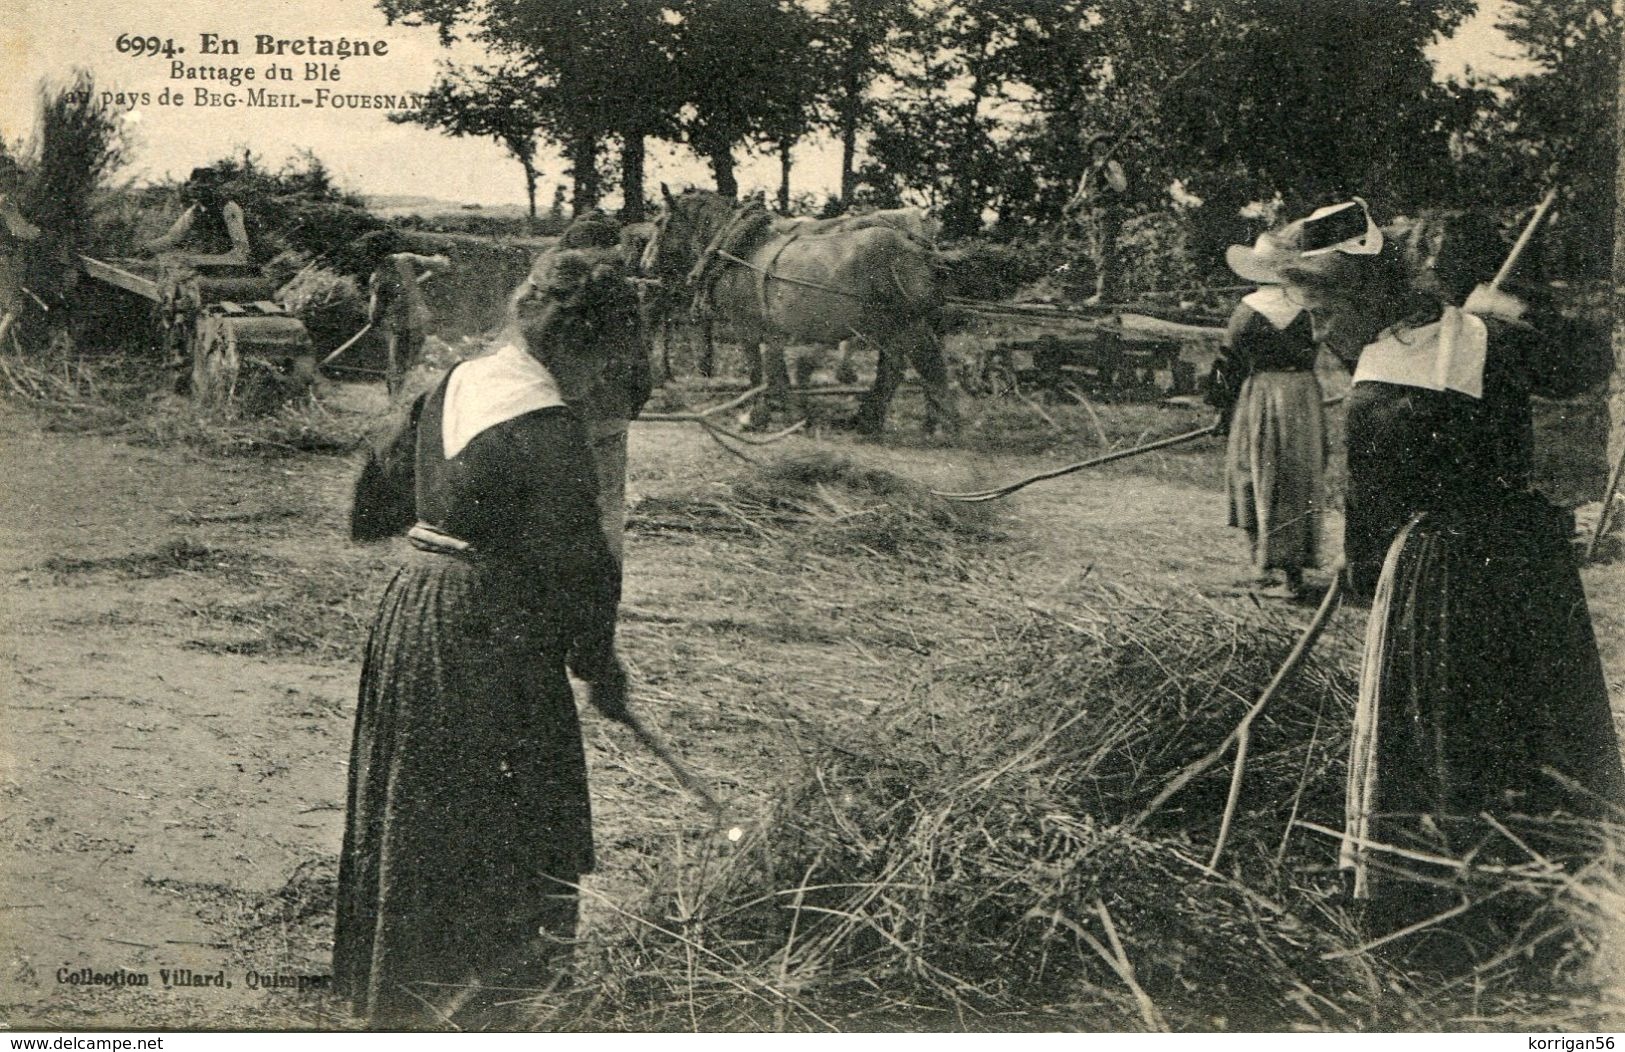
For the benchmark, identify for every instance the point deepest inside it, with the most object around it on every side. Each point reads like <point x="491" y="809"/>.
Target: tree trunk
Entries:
<point x="785" y="146"/>
<point x="962" y="215"/>
<point x="530" y="191"/>
<point x="584" y="173"/>
<point x="850" y="104"/>
<point x="632" y="177"/>
<point x="722" y="164"/>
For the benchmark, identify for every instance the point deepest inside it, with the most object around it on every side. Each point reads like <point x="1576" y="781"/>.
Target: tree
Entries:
<point x="78" y="143"/>
<point x="505" y="104"/>
<point x="733" y="61"/>
<point x="1244" y="98"/>
<point x="1317" y="100"/>
<point x="946" y="131"/>
<point x="793" y="108"/>
<point x="1056" y="57"/>
<point x="859" y="39"/>
<point x="602" y="71"/>
<point x="609" y="63"/>
<point x="1557" y="124"/>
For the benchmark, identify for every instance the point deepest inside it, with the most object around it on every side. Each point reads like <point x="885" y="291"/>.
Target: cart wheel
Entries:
<point x="1109" y="364"/>
<point x="999" y="379"/>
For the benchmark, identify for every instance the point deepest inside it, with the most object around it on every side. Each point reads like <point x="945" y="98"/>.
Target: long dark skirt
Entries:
<point x="1482" y="693"/>
<point x="468" y="795"/>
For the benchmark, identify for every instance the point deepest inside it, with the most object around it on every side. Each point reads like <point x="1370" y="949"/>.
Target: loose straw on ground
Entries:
<point x="1116" y="959"/>
<point x="1241" y="735"/>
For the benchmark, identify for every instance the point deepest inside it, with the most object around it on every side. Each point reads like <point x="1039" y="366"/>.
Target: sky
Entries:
<point x="366" y="153"/>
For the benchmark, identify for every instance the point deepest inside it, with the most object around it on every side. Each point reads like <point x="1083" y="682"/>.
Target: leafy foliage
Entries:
<point x="295" y="208"/>
<point x="728" y="94"/>
<point x="599" y="68"/>
<point x="1251" y="97"/>
<point x="982" y="108"/>
<point x="1558" y="124"/>
<point x="1318" y="101"/>
<point x="939" y="132"/>
<point x="78" y="144"/>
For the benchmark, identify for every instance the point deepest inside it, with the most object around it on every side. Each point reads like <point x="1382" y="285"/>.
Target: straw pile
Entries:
<point x="313" y="288"/>
<point x="827" y="504"/>
<point x="978" y="857"/>
<point x="978" y="863"/>
<point x="973" y="848"/>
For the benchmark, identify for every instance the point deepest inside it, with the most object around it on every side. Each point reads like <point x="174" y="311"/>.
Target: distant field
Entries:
<point x="395" y="205"/>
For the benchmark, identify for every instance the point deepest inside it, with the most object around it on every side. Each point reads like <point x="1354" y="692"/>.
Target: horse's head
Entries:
<point x="686" y="224"/>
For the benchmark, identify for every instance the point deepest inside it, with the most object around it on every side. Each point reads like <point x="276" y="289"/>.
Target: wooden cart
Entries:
<point x="1091" y="351"/>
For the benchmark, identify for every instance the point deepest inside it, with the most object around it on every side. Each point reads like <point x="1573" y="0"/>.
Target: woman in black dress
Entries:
<point x="468" y="822"/>
<point x="1482" y="691"/>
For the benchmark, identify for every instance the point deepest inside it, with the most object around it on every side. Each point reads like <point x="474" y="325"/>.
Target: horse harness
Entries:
<point x="702" y="275"/>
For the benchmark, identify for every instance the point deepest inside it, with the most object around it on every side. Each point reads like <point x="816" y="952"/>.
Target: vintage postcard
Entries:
<point x="810" y="515"/>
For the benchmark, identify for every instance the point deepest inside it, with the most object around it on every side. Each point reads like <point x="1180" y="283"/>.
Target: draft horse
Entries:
<point x="772" y="282"/>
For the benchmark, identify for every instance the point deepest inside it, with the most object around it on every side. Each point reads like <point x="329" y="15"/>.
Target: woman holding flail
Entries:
<point x="1483" y="729"/>
<point x="468" y="823"/>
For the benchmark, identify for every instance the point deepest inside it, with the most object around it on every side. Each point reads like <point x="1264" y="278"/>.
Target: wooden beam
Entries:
<point x="146" y="288"/>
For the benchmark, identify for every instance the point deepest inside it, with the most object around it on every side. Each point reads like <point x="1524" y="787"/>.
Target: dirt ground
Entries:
<point x="179" y="653"/>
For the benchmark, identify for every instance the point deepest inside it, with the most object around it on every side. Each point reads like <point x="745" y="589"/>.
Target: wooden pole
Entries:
<point x="346" y="345"/>
<point x="1524" y="238"/>
<point x="978" y="496"/>
<point x="657" y="745"/>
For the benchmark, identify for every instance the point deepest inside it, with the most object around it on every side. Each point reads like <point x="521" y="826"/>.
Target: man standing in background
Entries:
<point x="1099" y="204"/>
<point x="395" y="305"/>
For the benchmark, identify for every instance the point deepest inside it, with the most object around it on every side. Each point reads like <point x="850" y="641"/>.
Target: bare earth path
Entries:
<point x="172" y="768"/>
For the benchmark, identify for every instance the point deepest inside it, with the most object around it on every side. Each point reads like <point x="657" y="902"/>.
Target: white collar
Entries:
<point x="1275" y="305"/>
<point x="1446" y="355"/>
<point x="487" y="391"/>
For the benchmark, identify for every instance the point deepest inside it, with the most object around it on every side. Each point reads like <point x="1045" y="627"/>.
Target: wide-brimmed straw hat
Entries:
<point x="1263" y="261"/>
<point x="1341" y="229"/>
